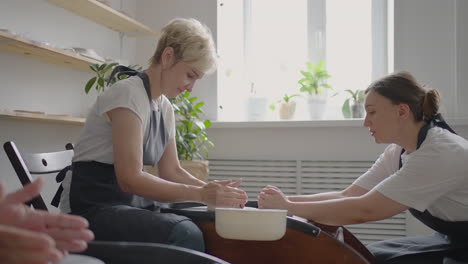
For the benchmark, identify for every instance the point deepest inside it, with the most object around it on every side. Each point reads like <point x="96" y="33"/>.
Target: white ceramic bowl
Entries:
<point x="250" y="223"/>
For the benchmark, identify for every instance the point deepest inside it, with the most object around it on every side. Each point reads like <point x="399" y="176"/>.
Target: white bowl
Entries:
<point x="250" y="223"/>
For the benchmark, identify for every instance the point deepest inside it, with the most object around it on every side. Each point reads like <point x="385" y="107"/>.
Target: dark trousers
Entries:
<point x="433" y="249"/>
<point x="133" y="224"/>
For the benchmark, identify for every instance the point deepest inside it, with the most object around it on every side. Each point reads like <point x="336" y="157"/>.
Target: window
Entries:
<point x="263" y="45"/>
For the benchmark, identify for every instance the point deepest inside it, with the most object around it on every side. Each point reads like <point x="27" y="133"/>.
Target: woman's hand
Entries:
<point x="20" y="246"/>
<point x="69" y="232"/>
<point x="271" y="197"/>
<point x="223" y="194"/>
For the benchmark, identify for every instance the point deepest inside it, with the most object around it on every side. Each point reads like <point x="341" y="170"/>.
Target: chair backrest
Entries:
<point x="147" y="253"/>
<point x="26" y="164"/>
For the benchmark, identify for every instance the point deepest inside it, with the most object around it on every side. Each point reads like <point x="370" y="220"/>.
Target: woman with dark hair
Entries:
<point x="424" y="169"/>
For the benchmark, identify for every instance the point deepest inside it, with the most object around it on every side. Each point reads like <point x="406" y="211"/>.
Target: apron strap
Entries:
<point x="59" y="178"/>
<point x="120" y="71"/>
<point x="146" y="83"/>
<point x="123" y="72"/>
<point x="440" y="122"/>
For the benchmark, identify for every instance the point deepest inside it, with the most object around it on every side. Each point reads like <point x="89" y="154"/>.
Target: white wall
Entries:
<point x="426" y="45"/>
<point x="33" y="85"/>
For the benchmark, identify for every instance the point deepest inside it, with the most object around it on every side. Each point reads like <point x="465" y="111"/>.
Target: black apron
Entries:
<point x="94" y="184"/>
<point x="451" y="237"/>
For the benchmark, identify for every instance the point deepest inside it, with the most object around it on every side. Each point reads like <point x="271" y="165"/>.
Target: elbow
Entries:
<point x="125" y="181"/>
<point x="361" y="212"/>
<point x="366" y="215"/>
<point x="124" y="186"/>
<point x="170" y="173"/>
<point x="359" y="219"/>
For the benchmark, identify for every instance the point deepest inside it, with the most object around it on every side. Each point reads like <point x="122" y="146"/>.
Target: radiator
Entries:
<point x="307" y="177"/>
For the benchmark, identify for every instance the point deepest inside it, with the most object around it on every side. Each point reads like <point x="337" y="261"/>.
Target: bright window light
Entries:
<point x="263" y="45"/>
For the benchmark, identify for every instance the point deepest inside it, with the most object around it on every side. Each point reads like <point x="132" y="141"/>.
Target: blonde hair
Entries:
<point x="192" y="43"/>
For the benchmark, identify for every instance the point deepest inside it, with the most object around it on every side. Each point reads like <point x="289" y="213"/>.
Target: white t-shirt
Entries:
<point x="95" y="141"/>
<point x="434" y="177"/>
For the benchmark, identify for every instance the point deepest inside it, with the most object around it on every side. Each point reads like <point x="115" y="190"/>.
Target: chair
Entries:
<point x="147" y="253"/>
<point x="26" y="164"/>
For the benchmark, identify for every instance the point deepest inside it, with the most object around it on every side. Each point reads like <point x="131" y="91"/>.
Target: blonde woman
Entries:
<point x="131" y="125"/>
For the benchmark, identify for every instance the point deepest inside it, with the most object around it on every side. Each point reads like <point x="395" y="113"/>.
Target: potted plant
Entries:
<point x="353" y="107"/>
<point x="191" y="137"/>
<point x="287" y="106"/>
<point x="314" y="83"/>
<point x="257" y="105"/>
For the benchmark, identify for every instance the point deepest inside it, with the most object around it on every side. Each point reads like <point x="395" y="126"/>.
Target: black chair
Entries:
<point x="147" y="253"/>
<point x="26" y="164"/>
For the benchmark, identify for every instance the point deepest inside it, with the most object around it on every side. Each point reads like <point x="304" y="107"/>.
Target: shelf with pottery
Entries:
<point x="41" y="117"/>
<point x="106" y="16"/>
<point x="30" y="48"/>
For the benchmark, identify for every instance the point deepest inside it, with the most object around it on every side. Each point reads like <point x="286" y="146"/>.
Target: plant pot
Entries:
<point x="257" y="108"/>
<point x="287" y="110"/>
<point x="198" y="168"/>
<point x="357" y="110"/>
<point x="317" y="106"/>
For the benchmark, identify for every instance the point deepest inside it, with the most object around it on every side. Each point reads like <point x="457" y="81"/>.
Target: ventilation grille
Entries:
<point x="306" y="177"/>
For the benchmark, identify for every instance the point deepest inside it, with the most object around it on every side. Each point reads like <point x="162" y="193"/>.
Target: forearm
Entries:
<point x="180" y="175"/>
<point x="316" y="197"/>
<point x="350" y="191"/>
<point x="155" y="188"/>
<point x="344" y="211"/>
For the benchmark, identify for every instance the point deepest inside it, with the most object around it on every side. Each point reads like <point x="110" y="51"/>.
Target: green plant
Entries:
<point x="286" y="98"/>
<point x="314" y="80"/>
<point x="191" y="136"/>
<point x="356" y="96"/>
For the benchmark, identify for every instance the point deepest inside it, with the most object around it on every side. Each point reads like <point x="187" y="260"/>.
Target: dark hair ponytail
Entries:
<point x="431" y="103"/>
<point x="402" y="87"/>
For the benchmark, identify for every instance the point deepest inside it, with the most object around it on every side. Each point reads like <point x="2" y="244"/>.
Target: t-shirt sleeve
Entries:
<point x="423" y="179"/>
<point x="125" y="95"/>
<point x="384" y="166"/>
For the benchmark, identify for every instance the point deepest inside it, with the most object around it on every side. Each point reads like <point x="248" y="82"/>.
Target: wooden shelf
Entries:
<point x="22" y="46"/>
<point x="43" y="118"/>
<point x="106" y="16"/>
